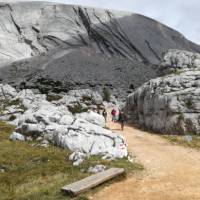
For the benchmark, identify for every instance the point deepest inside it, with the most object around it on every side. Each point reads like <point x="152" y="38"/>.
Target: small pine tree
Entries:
<point x="106" y="94"/>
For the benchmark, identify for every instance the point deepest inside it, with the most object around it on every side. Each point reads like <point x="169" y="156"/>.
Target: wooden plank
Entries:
<point x="91" y="181"/>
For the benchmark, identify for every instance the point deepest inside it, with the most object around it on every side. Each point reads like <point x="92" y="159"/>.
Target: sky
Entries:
<point x="182" y="15"/>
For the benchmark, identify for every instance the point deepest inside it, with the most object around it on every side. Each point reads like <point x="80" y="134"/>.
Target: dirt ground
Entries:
<point x="171" y="172"/>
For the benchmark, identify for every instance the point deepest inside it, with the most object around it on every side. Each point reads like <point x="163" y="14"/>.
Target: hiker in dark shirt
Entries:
<point x="122" y="119"/>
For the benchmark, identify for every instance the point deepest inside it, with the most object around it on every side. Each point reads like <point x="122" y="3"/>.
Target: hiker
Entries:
<point x="104" y="113"/>
<point x="122" y="119"/>
<point x="113" y="113"/>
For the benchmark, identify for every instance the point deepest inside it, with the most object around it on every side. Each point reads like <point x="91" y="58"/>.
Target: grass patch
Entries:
<point x="36" y="173"/>
<point x="12" y="118"/>
<point x="86" y="98"/>
<point x="51" y="97"/>
<point x="189" y="104"/>
<point x="180" y="140"/>
<point x="77" y="108"/>
<point x="4" y="104"/>
<point x="119" y="163"/>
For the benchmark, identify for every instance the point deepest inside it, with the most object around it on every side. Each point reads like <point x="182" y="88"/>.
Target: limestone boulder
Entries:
<point x="77" y="158"/>
<point x="83" y="96"/>
<point x="169" y="104"/>
<point x="17" y="137"/>
<point x="89" y="138"/>
<point x="7" y="92"/>
<point x="97" y="169"/>
<point x="93" y="118"/>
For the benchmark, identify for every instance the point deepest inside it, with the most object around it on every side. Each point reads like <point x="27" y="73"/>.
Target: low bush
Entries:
<point x="51" y="98"/>
<point x="77" y="108"/>
<point x="106" y="94"/>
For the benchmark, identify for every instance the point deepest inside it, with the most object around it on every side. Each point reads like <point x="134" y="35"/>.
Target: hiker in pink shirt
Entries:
<point x="113" y="113"/>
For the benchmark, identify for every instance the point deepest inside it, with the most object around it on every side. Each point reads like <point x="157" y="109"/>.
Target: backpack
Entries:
<point x="113" y="112"/>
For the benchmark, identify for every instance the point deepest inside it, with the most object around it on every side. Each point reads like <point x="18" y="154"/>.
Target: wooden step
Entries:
<point x="92" y="181"/>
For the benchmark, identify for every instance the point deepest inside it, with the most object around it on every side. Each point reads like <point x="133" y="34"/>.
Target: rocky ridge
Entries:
<point x="170" y="104"/>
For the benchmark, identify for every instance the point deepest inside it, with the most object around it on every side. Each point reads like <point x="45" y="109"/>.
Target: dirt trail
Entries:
<point x="171" y="172"/>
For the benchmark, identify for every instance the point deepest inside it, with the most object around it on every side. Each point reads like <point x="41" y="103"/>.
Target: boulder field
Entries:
<point x="70" y="122"/>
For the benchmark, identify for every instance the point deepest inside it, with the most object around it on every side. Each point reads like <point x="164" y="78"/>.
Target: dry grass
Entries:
<point x="174" y="139"/>
<point x="36" y="173"/>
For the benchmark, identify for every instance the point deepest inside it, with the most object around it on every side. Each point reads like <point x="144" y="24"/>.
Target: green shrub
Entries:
<point x="106" y="94"/>
<point x="12" y="118"/>
<point x="86" y="98"/>
<point x="51" y="98"/>
<point x="77" y="108"/>
<point x="189" y="104"/>
<point x="181" y="117"/>
<point x="82" y="198"/>
<point x="6" y="103"/>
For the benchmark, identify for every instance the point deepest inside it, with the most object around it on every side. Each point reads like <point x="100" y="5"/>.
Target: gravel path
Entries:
<point x="171" y="172"/>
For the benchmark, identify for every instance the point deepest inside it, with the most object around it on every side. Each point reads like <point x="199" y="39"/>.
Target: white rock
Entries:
<point x="6" y="91"/>
<point x="97" y="98"/>
<point x="66" y="120"/>
<point x="31" y="129"/>
<point x="90" y="139"/>
<point x="39" y="139"/>
<point x="188" y="138"/>
<point x="44" y="144"/>
<point x="17" y="137"/>
<point x="93" y="118"/>
<point x="77" y="96"/>
<point x="80" y="93"/>
<point x="78" y="162"/>
<point x="29" y="99"/>
<point x="97" y="169"/>
<point x="77" y="158"/>
<point x="29" y="138"/>
<point x="2" y="170"/>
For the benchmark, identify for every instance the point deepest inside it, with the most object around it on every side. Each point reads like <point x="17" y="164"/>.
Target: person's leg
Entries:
<point x="122" y="126"/>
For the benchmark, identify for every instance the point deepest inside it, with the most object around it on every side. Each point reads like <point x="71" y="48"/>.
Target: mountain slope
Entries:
<point x="80" y="47"/>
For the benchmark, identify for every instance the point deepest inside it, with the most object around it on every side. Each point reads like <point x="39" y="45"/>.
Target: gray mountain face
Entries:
<point x="55" y="47"/>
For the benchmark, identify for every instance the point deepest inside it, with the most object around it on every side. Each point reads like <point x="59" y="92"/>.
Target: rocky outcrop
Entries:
<point x="82" y="132"/>
<point x="170" y="104"/>
<point x="58" y="47"/>
<point x="175" y="61"/>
